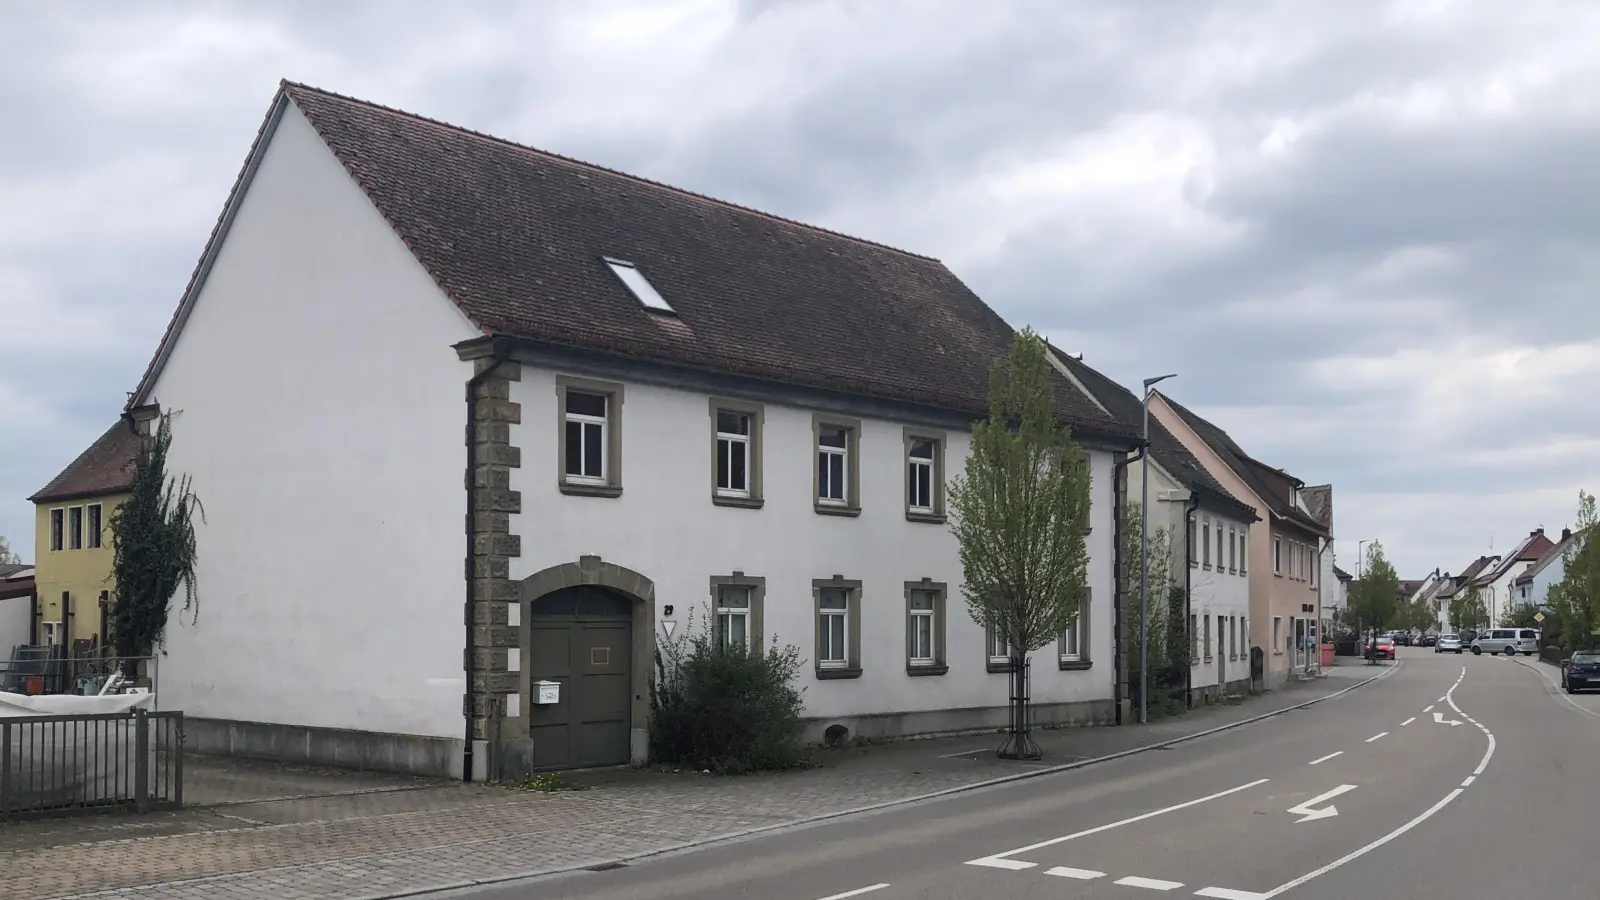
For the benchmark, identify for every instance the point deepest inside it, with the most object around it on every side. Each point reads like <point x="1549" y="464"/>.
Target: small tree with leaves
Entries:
<point x="1575" y="599"/>
<point x="1375" y="598"/>
<point x="155" y="553"/>
<point x="1018" y="512"/>
<point x="7" y="556"/>
<point x="1468" y="611"/>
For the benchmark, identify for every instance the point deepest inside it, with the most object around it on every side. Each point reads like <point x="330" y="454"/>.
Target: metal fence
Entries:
<point x="45" y="669"/>
<point x="59" y="765"/>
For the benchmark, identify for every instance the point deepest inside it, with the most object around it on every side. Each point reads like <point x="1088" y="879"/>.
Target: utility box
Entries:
<point x="546" y="693"/>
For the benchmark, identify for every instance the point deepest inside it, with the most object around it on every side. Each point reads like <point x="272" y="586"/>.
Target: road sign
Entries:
<point x="1538" y="617"/>
<point x="1307" y="813"/>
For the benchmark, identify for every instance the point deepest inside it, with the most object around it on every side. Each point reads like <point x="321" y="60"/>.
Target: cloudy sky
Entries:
<point x="1362" y="232"/>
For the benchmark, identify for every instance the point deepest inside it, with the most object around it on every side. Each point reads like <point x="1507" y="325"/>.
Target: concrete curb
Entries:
<point x="1554" y="683"/>
<point x="888" y="804"/>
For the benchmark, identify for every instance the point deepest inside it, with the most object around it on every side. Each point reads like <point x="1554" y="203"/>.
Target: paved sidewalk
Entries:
<point x="373" y="836"/>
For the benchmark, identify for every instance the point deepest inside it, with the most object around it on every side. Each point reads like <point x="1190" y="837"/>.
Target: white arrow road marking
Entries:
<point x="1305" y="809"/>
<point x="1080" y="874"/>
<point x="1439" y="719"/>
<point x="1228" y="894"/>
<point x="1154" y="884"/>
<point x="857" y="892"/>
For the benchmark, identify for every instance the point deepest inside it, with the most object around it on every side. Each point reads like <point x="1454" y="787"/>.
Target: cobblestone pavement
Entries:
<point x="403" y="838"/>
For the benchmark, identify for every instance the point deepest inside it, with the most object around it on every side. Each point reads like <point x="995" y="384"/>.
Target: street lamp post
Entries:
<point x="1144" y="549"/>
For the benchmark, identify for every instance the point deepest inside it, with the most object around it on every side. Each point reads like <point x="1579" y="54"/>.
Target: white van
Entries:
<point x="1509" y="641"/>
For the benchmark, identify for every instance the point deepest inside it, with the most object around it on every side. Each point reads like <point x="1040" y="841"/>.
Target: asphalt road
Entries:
<point x="1456" y="776"/>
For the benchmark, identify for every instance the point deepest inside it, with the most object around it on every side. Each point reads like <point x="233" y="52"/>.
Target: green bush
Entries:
<point x="725" y="709"/>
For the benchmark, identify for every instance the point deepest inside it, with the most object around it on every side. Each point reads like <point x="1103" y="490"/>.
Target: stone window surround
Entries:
<point x="852" y="475"/>
<point x="852" y="636"/>
<point x="758" y="422"/>
<point x="910" y="435"/>
<point x="758" y="601"/>
<point x="613" y="392"/>
<point x="941" y="593"/>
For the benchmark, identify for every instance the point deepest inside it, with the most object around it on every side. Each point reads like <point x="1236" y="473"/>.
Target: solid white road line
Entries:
<point x="1408" y="721"/>
<point x="857" y="892"/>
<point x="1376" y="736"/>
<point x="1154" y="884"/>
<point x="998" y="861"/>
<point x="1423" y="817"/>
<point x="1080" y="874"/>
<point x="1228" y="894"/>
<point x="1323" y="759"/>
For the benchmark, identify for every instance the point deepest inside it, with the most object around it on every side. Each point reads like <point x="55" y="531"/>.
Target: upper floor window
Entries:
<point x="93" y="527"/>
<point x="1205" y="543"/>
<point x="924" y="476"/>
<point x="58" y="528"/>
<point x="1194" y="542"/>
<point x="75" y="528"/>
<point x="736" y="453"/>
<point x="1219" y="546"/>
<point x="1277" y="555"/>
<point x="1244" y="549"/>
<point x="1233" y="552"/>
<point x="837" y="441"/>
<point x="591" y="436"/>
<point x="1311" y="570"/>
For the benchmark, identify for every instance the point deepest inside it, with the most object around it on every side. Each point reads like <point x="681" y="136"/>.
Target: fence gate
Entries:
<point x="66" y="764"/>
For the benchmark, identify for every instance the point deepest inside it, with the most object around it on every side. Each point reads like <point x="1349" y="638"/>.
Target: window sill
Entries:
<point x="997" y="668"/>
<point x="928" y="518"/>
<point x="1193" y="564"/>
<point x="740" y="502"/>
<point x="1209" y="659"/>
<point x="927" y="670"/>
<point x="831" y="674"/>
<point x="1194" y="663"/>
<point x="825" y="509"/>
<point x="590" y="490"/>
<point x="1074" y="665"/>
<point x="1277" y="653"/>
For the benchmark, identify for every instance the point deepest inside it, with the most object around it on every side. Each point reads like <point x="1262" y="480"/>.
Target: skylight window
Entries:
<point x="641" y="288"/>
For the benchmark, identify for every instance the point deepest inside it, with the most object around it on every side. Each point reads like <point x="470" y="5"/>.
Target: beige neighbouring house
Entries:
<point x="1287" y="547"/>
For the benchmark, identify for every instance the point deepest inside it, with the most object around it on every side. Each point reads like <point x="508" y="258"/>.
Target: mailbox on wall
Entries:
<point x="546" y="693"/>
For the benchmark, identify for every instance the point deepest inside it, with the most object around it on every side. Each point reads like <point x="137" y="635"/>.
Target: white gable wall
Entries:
<point x="665" y="527"/>
<point x="319" y="408"/>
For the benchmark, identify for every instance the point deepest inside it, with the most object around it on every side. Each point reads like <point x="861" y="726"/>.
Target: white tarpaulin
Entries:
<point x="70" y="704"/>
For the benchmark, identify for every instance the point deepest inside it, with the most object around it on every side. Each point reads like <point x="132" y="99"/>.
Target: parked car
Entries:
<point x="1448" y="643"/>
<point x="1509" y="641"/>
<point x="1581" y="672"/>
<point x="1381" y="648"/>
<point x="1427" y="640"/>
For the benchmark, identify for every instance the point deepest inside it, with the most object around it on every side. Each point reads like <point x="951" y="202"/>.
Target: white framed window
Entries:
<point x="1233" y="549"/>
<point x="587" y="425"/>
<point x="1072" y="641"/>
<point x="1311" y="570"/>
<point x="75" y="528"/>
<point x="1277" y="556"/>
<point x="922" y="628"/>
<point x="53" y="634"/>
<point x="733" y="453"/>
<point x="733" y="615"/>
<point x="58" y="528"/>
<point x="1205" y="543"/>
<point x="999" y="649"/>
<point x="1233" y="641"/>
<point x="835" y="485"/>
<point x="93" y="527"/>
<point x="1219" y="546"/>
<point x="1244" y="549"/>
<point x="1194" y="542"/>
<point x="1277" y="635"/>
<point x="833" y="628"/>
<point x="920" y="476"/>
<point x="1222" y="647"/>
<point x="1205" y="630"/>
<point x="1194" y="640"/>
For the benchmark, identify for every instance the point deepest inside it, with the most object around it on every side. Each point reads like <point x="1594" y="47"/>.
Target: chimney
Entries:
<point x="1537" y="531"/>
<point x="1566" y="533"/>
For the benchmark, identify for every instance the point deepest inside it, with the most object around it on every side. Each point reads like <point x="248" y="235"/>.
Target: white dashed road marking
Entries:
<point x="1323" y="759"/>
<point x="1228" y="894"/>
<point x="1408" y="721"/>
<point x="1376" y="736"/>
<point x="1154" y="884"/>
<point x="1069" y="872"/>
<point x="857" y="892"/>
<point x="1428" y="708"/>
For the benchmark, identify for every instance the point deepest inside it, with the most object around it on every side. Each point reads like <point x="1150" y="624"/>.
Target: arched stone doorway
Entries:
<point x="589" y="627"/>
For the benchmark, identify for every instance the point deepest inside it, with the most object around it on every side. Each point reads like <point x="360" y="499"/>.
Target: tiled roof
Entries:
<point x="1319" y="500"/>
<point x="1529" y="549"/>
<point x="1165" y="449"/>
<point x="1555" y="552"/>
<point x="1341" y="574"/>
<point x="105" y="468"/>
<point x="1270" y="484"/>
<point x="516" y="237"/>
<point x="1467" y="575"/>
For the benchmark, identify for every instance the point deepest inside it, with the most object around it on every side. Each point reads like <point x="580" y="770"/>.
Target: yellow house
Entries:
<point x="72" y="540"/>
